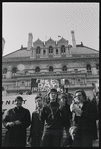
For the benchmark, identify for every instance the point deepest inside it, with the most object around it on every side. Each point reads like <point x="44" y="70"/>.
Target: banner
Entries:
<point x="44" y="84"/>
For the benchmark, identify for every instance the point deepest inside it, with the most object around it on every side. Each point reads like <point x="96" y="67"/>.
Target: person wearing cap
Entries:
<point x="16" y="121"/>
<point x="54" y="115"/>
<point x="37" y="125"/>
<point x="85" y="114"/>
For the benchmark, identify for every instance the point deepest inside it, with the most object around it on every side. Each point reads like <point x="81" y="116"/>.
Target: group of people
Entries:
<point x="49" y="121"/>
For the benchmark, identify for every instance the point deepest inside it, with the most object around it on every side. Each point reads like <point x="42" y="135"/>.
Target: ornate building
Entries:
<point x="47" y="63"/>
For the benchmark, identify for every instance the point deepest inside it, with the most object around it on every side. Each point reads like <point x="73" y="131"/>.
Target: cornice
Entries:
<point x="46" y="59"/>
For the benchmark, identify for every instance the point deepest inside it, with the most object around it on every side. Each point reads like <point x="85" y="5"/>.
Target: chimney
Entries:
<point x="73" y="39"/>
<point x="30" y="41"/>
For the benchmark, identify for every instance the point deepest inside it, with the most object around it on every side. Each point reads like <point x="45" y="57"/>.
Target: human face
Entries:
<point x="79" y="97"/>
<point x="19" y="103"/>
<point x="39" y="102"/>
<point x="53" y="96"/>
<point x="63" y="99"/>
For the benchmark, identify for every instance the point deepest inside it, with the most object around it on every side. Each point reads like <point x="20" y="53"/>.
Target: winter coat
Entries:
<point x="54" y="117"/>
<point x="16" y="135"/>
<point x="85" y="125"/>
<point x="36" y="129"/>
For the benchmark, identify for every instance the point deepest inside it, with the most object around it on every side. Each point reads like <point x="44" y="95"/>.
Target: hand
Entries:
<point x="77" y="110"/>
<point x="17" y="122"/>
<point x="10" y="124"/>
<point x="29" y="141"/>
<point x="61" y="103"/>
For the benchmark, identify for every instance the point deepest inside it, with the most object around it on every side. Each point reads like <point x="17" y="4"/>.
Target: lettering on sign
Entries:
<point x="8" y="102"/>
<point x="45" y="85"/>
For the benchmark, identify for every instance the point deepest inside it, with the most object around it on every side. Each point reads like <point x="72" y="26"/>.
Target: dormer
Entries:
<point x="39" y="43"/>
<point x="62" y="41"/>
<point x="50" y="42"/>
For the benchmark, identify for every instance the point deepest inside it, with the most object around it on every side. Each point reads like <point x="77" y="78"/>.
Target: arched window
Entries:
<point x="37" y="69"/>
<point x="67" y="82"/>
<point x="50" y="68"/>
<point x="88" y="67"/>
<point x="50" y="49"/>
<point x="63" y="49"/>
<point x="64" y="68"/>
<point x="97" y="68"/>
<point x="44" y="52"/>
<point x="38" y="50"/>
<point x="14" y="70"/>
<point x="4" y="70"/>
<point x="57" y="51"/>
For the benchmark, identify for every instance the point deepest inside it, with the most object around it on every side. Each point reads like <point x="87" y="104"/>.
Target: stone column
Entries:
<point x="94" y="71"/>
<point x="9" y="73"/>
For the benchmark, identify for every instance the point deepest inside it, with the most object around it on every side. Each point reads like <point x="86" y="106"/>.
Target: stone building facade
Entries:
<point x="48" y="62"/>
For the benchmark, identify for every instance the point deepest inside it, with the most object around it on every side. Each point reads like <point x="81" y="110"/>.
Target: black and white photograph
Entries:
<point x="50" y="74"/>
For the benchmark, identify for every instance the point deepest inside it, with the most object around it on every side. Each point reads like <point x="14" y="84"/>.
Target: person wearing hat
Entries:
<point x="85" y="114"/>
<point x="16" y="121"/>
<point x="54" y="115"/>
<point x="37" y="125"/>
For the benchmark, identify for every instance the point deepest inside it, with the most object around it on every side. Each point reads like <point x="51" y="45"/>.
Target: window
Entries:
<point x="57" y="51"/>
<point x="44" y="52"/>
<point x="76" y="70"/>
<point x="64" y="68"/>
<point x="38" y="50"/>
<point x="50" y="68"/>
<point x="50" y="49"/>
<point x="4" y="70"/>
<point x="78" y="80"/>
<point x="37" y="69"/>
<point x="67" y="82"/>
<point x="14" y="70"/>
<point x="88" y="67"/>
<point x="97" y="68"/>
<point x="63" y="49"/>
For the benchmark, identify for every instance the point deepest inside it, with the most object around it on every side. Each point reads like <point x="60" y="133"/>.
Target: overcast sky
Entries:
<point x="45" y="20"/>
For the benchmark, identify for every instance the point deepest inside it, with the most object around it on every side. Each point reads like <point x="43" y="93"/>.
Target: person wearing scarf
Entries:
<point x="54" y="115"/>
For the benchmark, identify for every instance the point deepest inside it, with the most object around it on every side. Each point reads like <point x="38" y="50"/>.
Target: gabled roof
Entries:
<point x="38" y="42"/>
<point x="50" y="41"/>
<point x="23" y="52"/>
<point x="62" y="40"/>
<point x="83" y="50"/>
<point x="19" y="53"/>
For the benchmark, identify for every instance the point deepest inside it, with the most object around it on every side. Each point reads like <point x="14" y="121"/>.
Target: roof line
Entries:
<point x="14" y="51"/>
<point x="90" y="48"/>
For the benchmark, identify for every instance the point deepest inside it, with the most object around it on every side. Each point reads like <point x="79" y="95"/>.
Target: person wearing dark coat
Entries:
<point x="54" y="115"/>
<point x="68" y="140"/>
<point x="16" y="121"/>
<point x="85" y="114"/>
<point x="37" y="125"/>
<point x="95" y="135"/>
